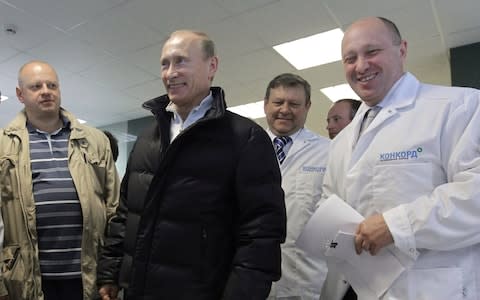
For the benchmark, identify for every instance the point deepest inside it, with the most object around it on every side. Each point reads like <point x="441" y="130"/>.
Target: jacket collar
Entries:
<point x="19" y="123"/>
<point x="158" y="105"/>
<point x="401" y="95"/>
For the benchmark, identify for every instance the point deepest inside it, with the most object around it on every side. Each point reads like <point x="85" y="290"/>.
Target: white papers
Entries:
<point x="329" y="235"/>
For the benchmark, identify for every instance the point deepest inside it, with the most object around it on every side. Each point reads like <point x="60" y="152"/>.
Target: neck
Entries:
<point x="48" y="123"/>
<point x="185" y="109"/>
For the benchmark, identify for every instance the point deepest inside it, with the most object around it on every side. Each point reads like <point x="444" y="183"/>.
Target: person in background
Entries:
<point x="202" y="211"/>
<point x="302" y="156"/>
<point x="409" y="163"/>
<point x="340" y="115"/>
<point x="59" y="187"/>
<point x="113" y="144"/>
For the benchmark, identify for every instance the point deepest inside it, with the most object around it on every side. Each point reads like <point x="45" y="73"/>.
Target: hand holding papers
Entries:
<point x="329" y="235"/>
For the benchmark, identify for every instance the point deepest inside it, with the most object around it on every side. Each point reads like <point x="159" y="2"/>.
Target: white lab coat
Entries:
<point x="418" y="163"/>
<point x="302" y="174"/>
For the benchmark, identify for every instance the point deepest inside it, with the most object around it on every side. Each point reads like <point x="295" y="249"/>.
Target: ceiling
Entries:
<point x="107" y="51"/>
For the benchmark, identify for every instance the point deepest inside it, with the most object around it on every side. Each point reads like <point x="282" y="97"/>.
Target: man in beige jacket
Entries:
<point x="59" y="187"/>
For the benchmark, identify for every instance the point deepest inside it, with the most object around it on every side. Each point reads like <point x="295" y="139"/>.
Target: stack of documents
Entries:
<point x="329" y="235"/>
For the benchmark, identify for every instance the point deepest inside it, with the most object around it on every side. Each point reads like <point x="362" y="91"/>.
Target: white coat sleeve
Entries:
<point x="448" y="217"/>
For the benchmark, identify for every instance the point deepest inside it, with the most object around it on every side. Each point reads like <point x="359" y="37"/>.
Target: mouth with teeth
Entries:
<point x="176" y="85"/>
<point x="367" y="78"/>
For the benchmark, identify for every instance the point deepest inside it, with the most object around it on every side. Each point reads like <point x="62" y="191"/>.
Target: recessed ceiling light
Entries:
<point x="314" y="50"/>
<point x="341" y="91"/>
<point x="252" y="110"/>
<point x="3" y="98"/>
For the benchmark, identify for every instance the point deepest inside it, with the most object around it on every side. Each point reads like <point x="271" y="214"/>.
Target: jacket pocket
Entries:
<point x="18" y="280"/>
<point x="8" y="176"/>
<point x="399" y="183"/>
<point x="437" y="283"/>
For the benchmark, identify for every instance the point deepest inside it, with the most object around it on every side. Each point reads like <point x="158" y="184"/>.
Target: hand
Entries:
<point x="372" y="235"/>
<point x="107" y="292"/>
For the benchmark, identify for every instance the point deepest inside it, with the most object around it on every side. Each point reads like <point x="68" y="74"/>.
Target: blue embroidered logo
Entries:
<point x="401" y="155"/>
<point x="314" y="169"/>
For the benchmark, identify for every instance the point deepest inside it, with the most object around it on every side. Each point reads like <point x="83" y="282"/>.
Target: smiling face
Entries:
<point x="38" y="89"/>
<point x="186" y="70"/>
<point x="372" y="61"/>
<point x="286" y="109"/>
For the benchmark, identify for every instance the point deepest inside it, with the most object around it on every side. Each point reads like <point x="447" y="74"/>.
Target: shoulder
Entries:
<point x="307" y="134"/>
<point x="451" y="93"/>
<point x="242" y="124"/>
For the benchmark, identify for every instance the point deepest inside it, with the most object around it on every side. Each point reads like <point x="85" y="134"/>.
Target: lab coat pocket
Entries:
<point x="303" y="205"/>
<point x="398" y="183"/>
<point x="437" y="283"/>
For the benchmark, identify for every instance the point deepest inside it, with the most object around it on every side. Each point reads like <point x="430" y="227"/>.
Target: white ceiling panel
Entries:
<point x="285" y="20"/>
<point x="454" y="16"/>
<point x="147" y="59"/>
<point x="167" y="16"/>
<point x="347" y="11"/>
<point x="10" y="67"/>
<point x="420" y="18"/>
<point x="65" y="14"/>
<point x="117" y="32"/>
<point x="236" y="7"/>
<point x="117" y="74"/>
<point x="30" y="31"/>
<point x="73" y="54"/>
<point x="234" y="38"/>
<point x="6" y="52"/>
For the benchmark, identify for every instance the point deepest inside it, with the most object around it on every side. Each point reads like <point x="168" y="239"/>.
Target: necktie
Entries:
<point x="280" y="142"/>
<point x="368" y="118"/>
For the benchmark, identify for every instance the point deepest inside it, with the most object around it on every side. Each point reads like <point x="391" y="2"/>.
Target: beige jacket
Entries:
<point x="96" y="180"/>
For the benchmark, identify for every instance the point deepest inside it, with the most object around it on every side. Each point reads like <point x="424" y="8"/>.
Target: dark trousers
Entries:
<point x="62" y="289"/>
<point x="349" y="295"/>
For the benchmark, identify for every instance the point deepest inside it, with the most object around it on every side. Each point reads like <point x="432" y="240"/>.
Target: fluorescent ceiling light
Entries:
<point x="315" y="50"/>
<point x="338" y="92"/>
<point x="252" y="110"/>
<point x="3" y="98"/>
<point x="81" y="121"/>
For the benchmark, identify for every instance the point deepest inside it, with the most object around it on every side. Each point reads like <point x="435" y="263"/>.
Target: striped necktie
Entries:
<point x="280" y="142"/>
<point x="368" y="118"/>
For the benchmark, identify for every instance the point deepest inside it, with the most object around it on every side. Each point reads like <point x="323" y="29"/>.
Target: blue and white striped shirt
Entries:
<point x="58" y="210"/>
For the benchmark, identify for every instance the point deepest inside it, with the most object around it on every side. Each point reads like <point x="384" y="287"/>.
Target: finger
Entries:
<point x="358" y="244"/>
<point x="374" y="249"/>
<point x="366" y="246"/>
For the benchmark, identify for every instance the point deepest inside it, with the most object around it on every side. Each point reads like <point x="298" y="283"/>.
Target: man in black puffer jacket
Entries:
<point x="202" y="210"/>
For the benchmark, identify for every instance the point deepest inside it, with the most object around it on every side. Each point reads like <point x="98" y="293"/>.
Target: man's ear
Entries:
<point x="19" y="94"/>
<point x="212" y="67"/>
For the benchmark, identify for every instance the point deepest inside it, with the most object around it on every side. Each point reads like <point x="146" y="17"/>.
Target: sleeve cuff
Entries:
<point x="399" y="226"/>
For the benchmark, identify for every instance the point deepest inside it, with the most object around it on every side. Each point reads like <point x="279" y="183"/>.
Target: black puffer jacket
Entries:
<point x="214" y="214"/>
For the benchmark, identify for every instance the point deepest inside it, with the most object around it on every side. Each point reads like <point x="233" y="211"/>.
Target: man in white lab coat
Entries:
<point x="302" y="158"/>
<point x="413" y="173"/>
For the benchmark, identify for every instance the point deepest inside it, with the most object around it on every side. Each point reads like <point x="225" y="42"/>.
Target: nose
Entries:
<point x="45" y="89"/>
<point x="284" y="108"/>
<point x="171" y="72"/>
<point x="329" y="125"/>
<point x="362" y="65"/>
